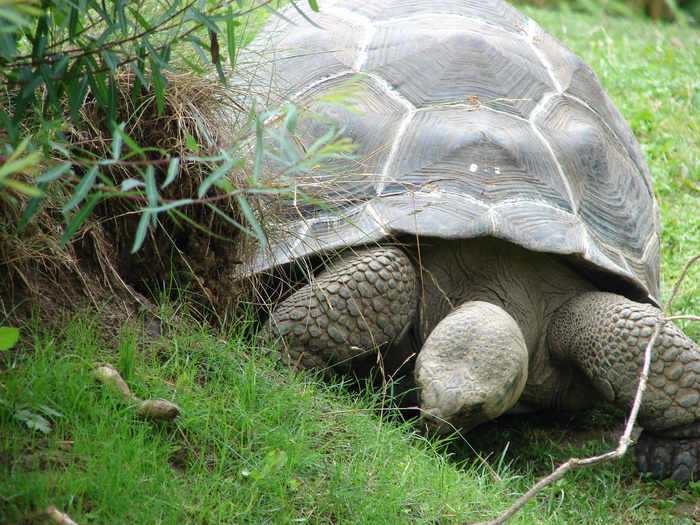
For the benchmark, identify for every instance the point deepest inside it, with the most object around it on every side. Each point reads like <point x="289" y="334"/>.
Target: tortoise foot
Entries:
<point x="361" y="303"/>
<point x="664" y="457"/>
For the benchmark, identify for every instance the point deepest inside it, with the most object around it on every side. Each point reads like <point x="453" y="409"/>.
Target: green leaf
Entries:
<point x="18" y="150"/>
<point x="130" y="184"/>
<point x="173" y="170"/>
<point x="79" y="218"/>
<point x="32" y="207"/>
<point x="151" y="189"/>
<point x="252" y="474"/>
<point x="54" y="172"/>
<point x="112" y="102"/>
<point x="313" y="4"/>
<point x="158" y="84"/>
<point x="74" y="23"/>
<point x="191" y="143"/>
<point x="252" y="221"/>
<point x="198" y="48"/>
<point x="142" y="230"/>
<point x="207" y="183"/>
<point x="205" y="20"/>
<point x="218" y="177"/>
<point x="194" y="66"/>
<point x="137" y="67"/>
<point x="117" y="141"/>
<point x="257" y="164"/>
<point x="82" y="189"/>
<point x="275" y="460"/>
<point x="169" y="206"/>
<point x="221" y="73"/>
<point x="229" y="219"/>
<point x="290" y="118"/>
<point x="8" y="337"/>
<point x="97" y="81"/>
<point x="231" y="42"/>
<point x="15" y="165"/>
<point x="135" y="148"/>
<point x="76" y="98"/>
<point x="12" y="19"/>
<point x="20" y="187"/>
<point x="145" y="24"/>
<point x="33" y="421"/>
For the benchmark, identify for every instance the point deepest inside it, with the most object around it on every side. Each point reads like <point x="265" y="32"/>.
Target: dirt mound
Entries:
<point x="191" y="252"/>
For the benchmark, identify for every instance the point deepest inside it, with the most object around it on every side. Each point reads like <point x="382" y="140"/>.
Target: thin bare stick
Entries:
<point x="59" y="517"/>
<point x="687" y="317"/>
<point x="626" y="439"/>
<point x="151" y="408"/>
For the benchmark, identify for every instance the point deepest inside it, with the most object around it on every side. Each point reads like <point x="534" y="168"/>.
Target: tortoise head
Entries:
<point x="471" y="369"/>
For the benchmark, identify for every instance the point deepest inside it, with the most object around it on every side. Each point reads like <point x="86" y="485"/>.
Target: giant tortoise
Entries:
<point x="497" y="220"/>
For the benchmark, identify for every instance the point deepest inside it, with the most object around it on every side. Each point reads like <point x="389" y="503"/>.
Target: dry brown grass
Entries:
<point x="96" y="264"/>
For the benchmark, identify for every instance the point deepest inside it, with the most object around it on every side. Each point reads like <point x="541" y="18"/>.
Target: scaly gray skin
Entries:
<point x="361" y="303"/>
<point x="498" y="329"/>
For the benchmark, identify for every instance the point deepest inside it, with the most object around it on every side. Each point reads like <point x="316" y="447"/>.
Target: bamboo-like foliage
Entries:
<point x="69" y="69"/>
<point x="128" y="121"/>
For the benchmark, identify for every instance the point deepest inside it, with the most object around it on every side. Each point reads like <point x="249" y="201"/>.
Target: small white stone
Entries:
<point x="473" y="168"/>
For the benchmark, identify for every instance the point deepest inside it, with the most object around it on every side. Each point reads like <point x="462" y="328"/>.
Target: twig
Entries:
<point x="625" y="440"/>
<point x="687" y="317"/>
<point x="151" y="408"/>
<point x="59" y="517"/>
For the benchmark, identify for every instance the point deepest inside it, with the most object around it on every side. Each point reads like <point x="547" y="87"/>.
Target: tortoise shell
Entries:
<point x="470" y="120"/>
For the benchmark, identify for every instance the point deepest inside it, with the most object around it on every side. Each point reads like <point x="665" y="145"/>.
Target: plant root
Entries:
<point x="151" y="408"/>
<point x="59" y="517"/>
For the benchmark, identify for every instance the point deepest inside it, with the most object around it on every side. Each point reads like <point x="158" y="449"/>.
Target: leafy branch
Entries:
<point x="68" y="60"/>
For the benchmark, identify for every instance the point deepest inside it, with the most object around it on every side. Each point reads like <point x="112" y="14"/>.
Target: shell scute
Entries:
<point x="470" y="120"/>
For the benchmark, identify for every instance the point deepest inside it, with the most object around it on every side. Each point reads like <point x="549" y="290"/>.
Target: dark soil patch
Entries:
<point x="524" y="437"/>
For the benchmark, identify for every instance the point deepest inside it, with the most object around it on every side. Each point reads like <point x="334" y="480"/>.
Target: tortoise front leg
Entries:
<point x="605" y="335"/>
<point x="359" y="304"/>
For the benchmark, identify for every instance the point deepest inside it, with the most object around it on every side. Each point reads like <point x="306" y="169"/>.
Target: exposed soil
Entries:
<point x="97" y="272"/>
<point x="96" y="269"/>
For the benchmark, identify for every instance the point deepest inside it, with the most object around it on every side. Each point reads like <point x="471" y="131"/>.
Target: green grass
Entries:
<point x="255" y="444"/>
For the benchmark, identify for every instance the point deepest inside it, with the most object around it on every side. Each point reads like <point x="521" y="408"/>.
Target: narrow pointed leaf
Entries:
<point x="32" y="207"/>
<point x="141" y="231"/>
<point x="79" y="218"/>
<point x="82" y="189"/>
<point x="173" y="170"/>
<point x="252" y="221"/>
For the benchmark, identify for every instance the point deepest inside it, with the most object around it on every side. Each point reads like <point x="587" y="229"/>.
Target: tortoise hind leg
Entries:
<point x="664" y="457"/>
<point x="359" y="304"/>
<point x="605" y="335"/>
